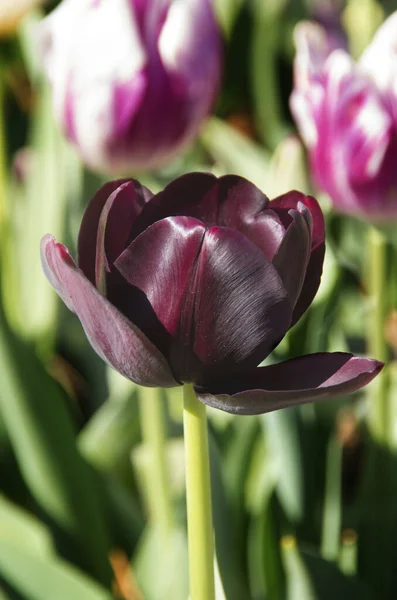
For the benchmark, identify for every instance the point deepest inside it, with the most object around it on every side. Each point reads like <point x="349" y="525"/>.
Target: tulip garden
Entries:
<point x="198" y="300"/>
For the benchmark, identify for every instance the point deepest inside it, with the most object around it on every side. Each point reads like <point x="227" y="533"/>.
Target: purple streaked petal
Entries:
<point x="127" y="99"/>
<point x="132" y="200"/>
<point x="117" y="341"/>
<point x="379" y="61"/>
<point x="297" y="381"/>
<point x="313" y="49"/>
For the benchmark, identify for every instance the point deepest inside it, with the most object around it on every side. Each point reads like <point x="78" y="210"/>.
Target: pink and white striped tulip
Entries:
<point x="346" y="112"/>
<point x="132" y="79"/>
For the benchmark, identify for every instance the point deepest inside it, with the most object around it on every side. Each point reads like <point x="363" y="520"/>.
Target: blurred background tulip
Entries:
<point x="329" y="13"/>
<point x="132" y="81"/>
<point x="346" y="114"/>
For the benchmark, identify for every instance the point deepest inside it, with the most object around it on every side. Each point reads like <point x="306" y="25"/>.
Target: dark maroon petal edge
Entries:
<point x="116" y="339"/>
<point x="301" y="380"/>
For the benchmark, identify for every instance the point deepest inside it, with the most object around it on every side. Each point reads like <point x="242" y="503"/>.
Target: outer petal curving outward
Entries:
<point x="297" y="381"/>
<point x="125" y="207"/>
<point x="282" y="206"/>
<point x="118" y="341"/>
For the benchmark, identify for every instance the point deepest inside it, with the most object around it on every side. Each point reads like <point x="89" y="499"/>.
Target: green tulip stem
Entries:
<point x="380" y="410"/>
<point x="198" y="493"/>
<point x="154" y="438"/>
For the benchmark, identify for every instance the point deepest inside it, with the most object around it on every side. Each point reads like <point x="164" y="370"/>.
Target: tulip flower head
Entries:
<point x="132" y="80"/>
<point x="347" y="115"/>
<point x="198" y="284"/>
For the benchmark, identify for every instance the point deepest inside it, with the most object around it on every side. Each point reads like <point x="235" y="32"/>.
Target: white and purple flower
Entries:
<point x="347" y="115"/>
<point x="132" y="80"/>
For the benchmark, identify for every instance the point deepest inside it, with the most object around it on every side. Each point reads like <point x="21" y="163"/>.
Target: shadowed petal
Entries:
<point x="242" y="310"/>
<point x="242" y="206"/>
<point x="230" y="201"/>
<point x="117" y="341"/>
<point x="183" y="196"/>
<point x="133" y="199"/>
<point x="282" y="205"/>
<point x="293" y="255"/>
<point x="297" y="381"/>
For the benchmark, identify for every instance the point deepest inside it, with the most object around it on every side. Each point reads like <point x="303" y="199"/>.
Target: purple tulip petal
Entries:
<point x="213" y="290"/>
<point x="130" y="204"/>
<point x="297" y="381"/>
<point x="282" y="205"/>
<point x="117" y="341"/>
<point x="242" y="310"/>
<point x="161" y="263"/>
<point x="182" y="197"/>
<point x="292" y="257"/>
<point x="229" y="201"/>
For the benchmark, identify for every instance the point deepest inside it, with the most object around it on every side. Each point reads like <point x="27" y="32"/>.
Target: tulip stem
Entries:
<point x="379" y="418"/>
<point x="198" y="493"/>
<point x="154" y="438"/>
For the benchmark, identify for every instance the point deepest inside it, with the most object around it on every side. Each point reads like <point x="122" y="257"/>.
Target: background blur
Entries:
<point x="304" y="499"/>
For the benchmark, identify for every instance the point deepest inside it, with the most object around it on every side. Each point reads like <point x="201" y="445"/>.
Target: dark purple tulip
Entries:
<point x="132" y="80"/>
<point x="198" y="284"/>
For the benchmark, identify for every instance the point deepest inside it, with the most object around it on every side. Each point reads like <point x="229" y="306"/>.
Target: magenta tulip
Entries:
<point x="132" y="81"/>
<point x="199" y="283"/>
<point x="347" y="115"/>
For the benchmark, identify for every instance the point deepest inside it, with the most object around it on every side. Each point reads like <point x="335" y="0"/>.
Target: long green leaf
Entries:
<point x="23" y="529"/>
<point x="43" y="439"/>
<point x="45" y="579"/>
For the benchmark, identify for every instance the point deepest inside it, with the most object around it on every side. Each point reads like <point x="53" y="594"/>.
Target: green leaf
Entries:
<point x="265" y="42"/>
<point x="161" y="565"/>
<point x="281" y="431"/>
<point x="40" y="578"/>
<point x="298" y="580"/>
<point x="229" y="540"/>
<point x="329" y="582"/>
<point x="332" y="516"/>
<point x="23" y="529"/>
<point x="110" y="434"/>
<point x="227" y="12"/>
<point x="235" y="152"/>
<point x="43" y="439"/>
<point x="264" y="558"/>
